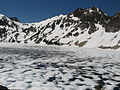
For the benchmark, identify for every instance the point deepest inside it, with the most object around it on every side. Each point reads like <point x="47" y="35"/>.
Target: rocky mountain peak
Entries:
<point x="90" y="11"/>
<point x="14" y="19"/>
<point x="93" y="15"/>
<point x="94" y="8"/>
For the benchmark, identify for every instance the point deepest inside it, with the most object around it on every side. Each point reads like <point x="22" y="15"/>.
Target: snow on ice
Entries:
<point x="34" y="67"/>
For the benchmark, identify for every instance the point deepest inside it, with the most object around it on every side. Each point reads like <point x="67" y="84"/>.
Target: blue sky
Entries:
<point x="37" y="10"/>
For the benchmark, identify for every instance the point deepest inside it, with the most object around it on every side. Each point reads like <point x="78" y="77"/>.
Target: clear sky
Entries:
<point x="37" y="10"/>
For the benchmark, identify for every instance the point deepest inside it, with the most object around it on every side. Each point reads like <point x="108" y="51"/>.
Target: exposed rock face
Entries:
<point x="3" y="88"/>
<point x="114" y="23"/>
<point x="91" y="26"/>
<point x="90" y="17"/>
<point x="93" y="14"/>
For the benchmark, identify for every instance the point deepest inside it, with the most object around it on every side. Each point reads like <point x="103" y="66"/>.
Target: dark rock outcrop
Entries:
<point x="94" y="15"/>
<point x="3" y="88"/>
<point x="113" y="24"/>
<point x="14" y="19"/>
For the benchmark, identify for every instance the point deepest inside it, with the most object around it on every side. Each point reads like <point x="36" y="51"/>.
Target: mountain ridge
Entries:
<point x="83" y="27"/>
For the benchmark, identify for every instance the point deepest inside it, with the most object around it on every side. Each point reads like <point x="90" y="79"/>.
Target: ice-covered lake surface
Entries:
<point x="58" y="68"/>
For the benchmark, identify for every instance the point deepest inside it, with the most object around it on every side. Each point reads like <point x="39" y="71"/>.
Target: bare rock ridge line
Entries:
<point x="83" y="27"/>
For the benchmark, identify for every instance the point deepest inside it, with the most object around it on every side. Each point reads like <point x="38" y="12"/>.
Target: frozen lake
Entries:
<point x="58" y="68"/>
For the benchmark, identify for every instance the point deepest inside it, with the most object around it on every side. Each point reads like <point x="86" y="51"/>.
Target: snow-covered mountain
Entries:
<point x="84" y="28"/>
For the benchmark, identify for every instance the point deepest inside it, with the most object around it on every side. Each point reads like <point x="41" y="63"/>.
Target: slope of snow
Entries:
<point x="62" y="30"/>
